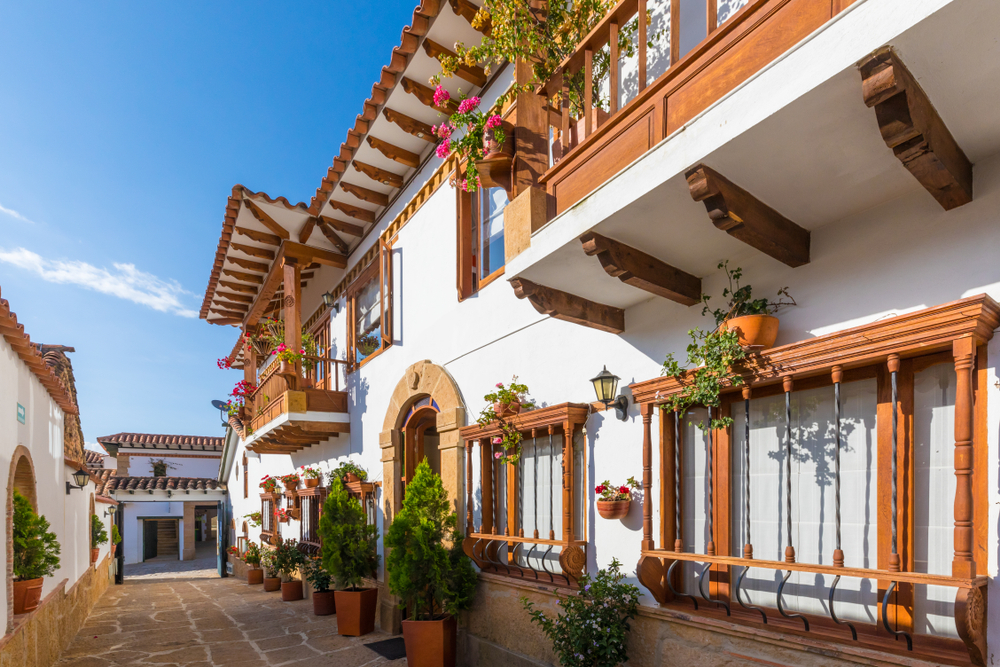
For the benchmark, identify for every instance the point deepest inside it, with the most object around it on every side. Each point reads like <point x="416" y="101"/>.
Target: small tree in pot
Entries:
<point x="273" y="582"/>
<point x="435" y="580"/>
<point x="98" y="536"/>
<point x="36" y="554"/>
<point x="287" y="560"/>
<point x="251" y="557"/>
<point x="351" y="556"/>
<point x="116" y="538"/>
<point x="324" y="599"/>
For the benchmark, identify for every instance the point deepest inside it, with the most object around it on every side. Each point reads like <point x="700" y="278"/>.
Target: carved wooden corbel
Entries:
<point x="636" y="268"/>
<point x="569" y="307"/>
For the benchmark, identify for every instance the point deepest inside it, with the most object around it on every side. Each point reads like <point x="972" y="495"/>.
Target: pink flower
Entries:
<point x="499" y="385"/>
<point x="494" y="121"/>
<point x="467" y="105"/>
<point x="497" y="455"/>
<point x="443" y="149"/>
<point x="497" y="440"/>
<point x="441" y="96"/>
<point x="443" y="131"/>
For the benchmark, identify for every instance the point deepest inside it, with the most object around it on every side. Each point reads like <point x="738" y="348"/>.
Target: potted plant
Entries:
<point x="350" y="555"/>
<point x="501" y="405"/>
<point x="324" y="599"/>
<point x="283" y="515"/>
<point x="271" y="583"/>
<point x="290" y="481"/>
<point x="368" y="343"/>
<point x="116" y="539"/>
<point x="434" y="581"/>
<point x="35" y="551"/>
<point x="269" y="484"/>
<point x="251" y="557"/>
<point x="254" y="519"/>
<point x="594" y="625"/>
<point x="614" y="501"/>
<point x="348" y="471"/>
<point x="98" y="536"/>
<point x="752" y="319"/>
<point x="311" y="476"/>
<point x="287" y="559"/>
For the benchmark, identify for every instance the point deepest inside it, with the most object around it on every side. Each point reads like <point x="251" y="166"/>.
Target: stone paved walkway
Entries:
<point x="200" y="622"/>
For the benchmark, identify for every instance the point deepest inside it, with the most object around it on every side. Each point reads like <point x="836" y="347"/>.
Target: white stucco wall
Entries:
<point x="194" y="466"/>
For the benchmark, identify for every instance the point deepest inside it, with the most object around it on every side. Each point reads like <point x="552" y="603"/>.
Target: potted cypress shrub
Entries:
<point x="251" y="557"/>
<point x="288" y="559"/>
<point x="350" y="555"/>
<point x="36" y="554"/>
<point x="324" y="599"/>
<point x="434" y="580"/>
<point x="271" y="583"/>
<point x="98" y="536"/>
<point x="116" y="538"/>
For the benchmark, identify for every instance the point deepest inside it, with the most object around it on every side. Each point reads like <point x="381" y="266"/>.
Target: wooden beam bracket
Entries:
<point x="636" y="268"/>
<point x="569" y="307"/>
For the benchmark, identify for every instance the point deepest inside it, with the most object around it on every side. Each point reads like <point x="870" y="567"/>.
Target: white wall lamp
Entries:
<point x="81" y="477"/>
<point x="606" y="385"/>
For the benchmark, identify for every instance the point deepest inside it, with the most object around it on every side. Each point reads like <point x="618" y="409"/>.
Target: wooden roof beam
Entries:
<point x="232" y="314"/>
<point x="259" y="237"/>
<point x="744" y="217"/>
<point x="357" y="212"/>
<point x="400" y="155"/>
<point x="334" y="238"/>
<point x="263" y="253"/>
<point x="247" y="264"/>
<point x="913" y="129"/>
<point x="380" y="175"/>
<point x="467" y="11"/>
<point x="246" y="289"/>
<point x="307" y="229"/>
<point x="474" y="74"/>
<point x="265" y="219"/>
<point x="364" y="194"/>
<point x="417" y="128"/>
<point x="426" y="96"/>
<point x="244" y="277"/>
<point x="268" y="286"/>
<point x="636" y="268"/>
<point x="235" y="298"/>
<point x="343" y="226"/>
<point x="569" y="307"/>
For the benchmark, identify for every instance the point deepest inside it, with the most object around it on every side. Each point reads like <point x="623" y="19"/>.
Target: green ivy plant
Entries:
<point x="510" y="437"/>
<point x="594" y="625"/>
<point x="36" y="550"/>
<point x="427" y="568"/>
<point x="349" y="543"/>
<point x="98" y="533"/>
<point x="713" y="355"/>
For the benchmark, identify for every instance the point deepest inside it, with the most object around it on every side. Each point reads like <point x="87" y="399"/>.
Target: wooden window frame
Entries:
<point x="484" y="545"/>
<point x="246" y="479"/>
<point x="953" y="333"/>
<point x="468" y="281"/>
<point x="379" y="269"/>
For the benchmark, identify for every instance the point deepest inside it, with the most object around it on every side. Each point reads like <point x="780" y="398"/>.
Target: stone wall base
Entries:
<point x="41" y="636"/>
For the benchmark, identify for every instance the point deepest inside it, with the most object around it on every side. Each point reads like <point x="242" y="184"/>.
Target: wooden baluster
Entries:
<point x="292" y="277"/>
<point x="964" y="352"/>
<point x="712" y="14"/>
<point x="642" y="44"/>
<point x="552" y="530"/>
<point x="588" y="93"/>
<point x="249" y="376"/>
<point x="468" y="487"/>
<point x="646" y="411"/>
<point x="675" y="31"/>
<point x="613" y="69"/>
<point x="567" y="490"/>
<point x="564" y="104"/>
<point x="486" y="485"/>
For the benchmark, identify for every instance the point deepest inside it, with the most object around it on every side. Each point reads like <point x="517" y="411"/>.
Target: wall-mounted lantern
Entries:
<point x="330" y="302"/>
<point x="606" y="385"/>
<point x="81" y="477"/>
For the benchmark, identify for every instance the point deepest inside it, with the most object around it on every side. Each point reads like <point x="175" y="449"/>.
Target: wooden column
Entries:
<point x="468" y="488"/>
<point x="964" y="352"/>
<point x="646" y="410"/>
<point x="531" y="133"/>
<point x="613" y="68"/>
<point x="642" y="45"/>
<point x="588" y="94"/>
<point x="567" y="495"/>
<point x="486" y="484"/>
<point x="292" y="277"/>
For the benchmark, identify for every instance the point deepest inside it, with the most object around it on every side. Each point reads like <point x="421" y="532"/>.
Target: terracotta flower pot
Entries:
<point x="272" y="584"/>
<point x="312" y="482"/>
<point x="255" y="576"/>
<point x="27" y="593"/>
<point x="507" y="409"/>
<point x="291" y="486"/>
<point x="356" y="611"/>
<point x="613" y="509"/>
<point x="114" y="548"/>
<point x="753" y="330"/>
<point x="324" y="603"/>
<point x="291" y="591"/>
<point x="351" y="477"/>
<point x="286" y="368"/>
<point x="430" y="643"/>
<point x="94" y="553"/>
<point x="492" y="148"/>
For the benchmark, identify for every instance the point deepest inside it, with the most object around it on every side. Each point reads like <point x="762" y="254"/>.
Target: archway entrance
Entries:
<point x="420" y="439"/>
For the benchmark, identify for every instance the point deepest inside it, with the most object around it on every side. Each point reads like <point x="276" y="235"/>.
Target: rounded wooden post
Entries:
<point x="567" y="496"/>
<point x="468" y="487"/>
<point x="646" y="410"/>
<point x="964" y="352"/>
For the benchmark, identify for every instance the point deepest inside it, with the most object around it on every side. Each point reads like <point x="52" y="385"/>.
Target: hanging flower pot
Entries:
<point x="351" y="477"/>
<point x="613" y="509"/>
<point x="614" y="501"/>
<point x="753" y="330"/>
<point x="507" y="409"/>
<point x="312" y="482"/>
<point x="94" y="553"/>
<point x="498" y="139"/>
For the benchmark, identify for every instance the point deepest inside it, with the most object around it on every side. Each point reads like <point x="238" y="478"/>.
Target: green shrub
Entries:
<point x="252" y="555"/>
<point x="341" y="471"/>
<point x="116" y="537"/>
<point x="349" y="544"/>
<point x="317" y="576"/>
<point x="595" y="625"/>
<point x="430" y="578"/>
<point x="98" y="533"/>
<point x="287" y="559"/>
<point x="36" y="550"/>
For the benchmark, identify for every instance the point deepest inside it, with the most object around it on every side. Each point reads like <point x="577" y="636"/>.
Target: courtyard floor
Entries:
<point x="195" y="619"/>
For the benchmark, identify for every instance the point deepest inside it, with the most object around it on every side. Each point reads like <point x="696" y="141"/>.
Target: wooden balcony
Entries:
<point x="292" y="409"/>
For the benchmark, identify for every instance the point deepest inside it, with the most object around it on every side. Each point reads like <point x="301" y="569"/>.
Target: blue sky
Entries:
<point x="123" y="127"/>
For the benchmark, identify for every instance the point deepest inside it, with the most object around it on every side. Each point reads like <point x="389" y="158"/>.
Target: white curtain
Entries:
<point x="369" y="308"/>
<point x="934" y="501"/>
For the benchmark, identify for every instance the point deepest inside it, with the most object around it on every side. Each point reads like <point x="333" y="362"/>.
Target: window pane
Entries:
<point x="934" y="501"/>
<point x="367" y="320"/>
<point x="491" y="253"/>
<point x="541" y="497"/>
<point x="694" y="495"/>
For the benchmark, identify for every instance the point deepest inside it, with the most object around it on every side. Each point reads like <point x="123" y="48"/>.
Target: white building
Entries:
<point x="847" y="150"/>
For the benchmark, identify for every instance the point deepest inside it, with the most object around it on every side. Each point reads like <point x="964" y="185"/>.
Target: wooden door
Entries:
<point x="149" y="529"/>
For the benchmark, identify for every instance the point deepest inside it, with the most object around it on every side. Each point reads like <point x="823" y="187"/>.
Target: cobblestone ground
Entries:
<point x="198" y="622"/>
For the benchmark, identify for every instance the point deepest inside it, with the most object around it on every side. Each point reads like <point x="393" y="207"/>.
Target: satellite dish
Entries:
<point x="219" y="405"/>
<point x="223" y="409"/>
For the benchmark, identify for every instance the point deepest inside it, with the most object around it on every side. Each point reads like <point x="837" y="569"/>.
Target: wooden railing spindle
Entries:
<point x="564" y="103"/>
<point x="468" y="487"/>
<point x="588" y="93"/>
<point x="643" y="28"/>
<point x="613" y="69"/>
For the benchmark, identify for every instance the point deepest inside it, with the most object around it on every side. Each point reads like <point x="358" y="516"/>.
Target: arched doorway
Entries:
<point x="420" y="439"/>
<point x="21" y="478"/>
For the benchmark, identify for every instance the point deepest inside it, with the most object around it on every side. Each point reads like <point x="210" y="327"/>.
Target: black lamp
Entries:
<point x="330" y="302"/>
<point x="81" y="477"/>
<point x="606" y="385"/>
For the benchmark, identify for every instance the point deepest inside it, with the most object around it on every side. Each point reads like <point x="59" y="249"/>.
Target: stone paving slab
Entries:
<point x="211" y="622"/>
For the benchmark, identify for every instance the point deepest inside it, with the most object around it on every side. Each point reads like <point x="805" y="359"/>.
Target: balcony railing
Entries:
<point x="660" y="89"/>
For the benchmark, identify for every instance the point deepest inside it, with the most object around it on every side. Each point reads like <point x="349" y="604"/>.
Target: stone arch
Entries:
<point x="22" y="478"/>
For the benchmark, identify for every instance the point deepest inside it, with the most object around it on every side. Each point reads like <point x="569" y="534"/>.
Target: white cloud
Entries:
<point x="14" y="214"/>
<point x="125" y="282"/>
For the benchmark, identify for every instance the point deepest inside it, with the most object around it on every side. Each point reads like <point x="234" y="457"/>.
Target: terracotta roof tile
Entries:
<point x="158" y="440"/>
<point x="29" y="353"/>
<point x="94" y="460"/>
<point x="111" y="483"/>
